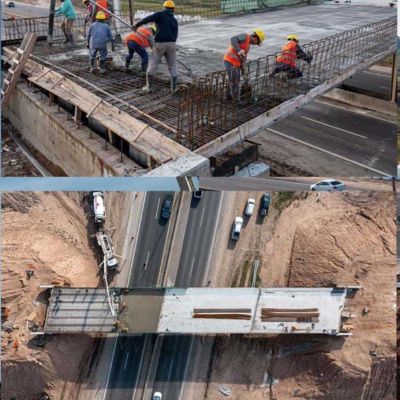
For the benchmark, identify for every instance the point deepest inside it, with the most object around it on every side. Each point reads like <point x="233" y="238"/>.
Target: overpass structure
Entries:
<point x="164" y="134"/>
<point x="200" y="311"/>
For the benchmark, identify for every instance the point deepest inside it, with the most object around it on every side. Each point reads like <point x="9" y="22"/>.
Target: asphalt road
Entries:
<point x="355" y="136"/>
<point x="151" y="242"/>
<point x="377" y="83"/>
<point x="25" y="10"/>
<point x="130" y="351"/>
<point x="176" y="350"/>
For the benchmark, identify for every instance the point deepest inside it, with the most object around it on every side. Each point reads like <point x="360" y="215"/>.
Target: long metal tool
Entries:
<point x="190" y="72"/>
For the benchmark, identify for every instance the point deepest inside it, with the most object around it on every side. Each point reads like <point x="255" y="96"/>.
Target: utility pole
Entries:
<point x="51" y="22"/>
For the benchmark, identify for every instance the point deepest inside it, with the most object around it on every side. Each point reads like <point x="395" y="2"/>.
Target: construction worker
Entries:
<point x="235" y="59"/>
<point x="165" y="43"/>
<point x="105" y="4"/>
<point x="286" y="61"/>
<point x="138" y="42"/>
<point x="68" y="10"/>
<point x="97" y="37"/>
<point x="89" y="10"/>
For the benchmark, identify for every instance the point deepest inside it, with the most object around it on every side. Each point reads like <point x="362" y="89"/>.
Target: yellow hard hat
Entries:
<point x="293" y="37"/>
<point x="260" y="34"/>
<point x="169" y="4"/>
<point x="100" y="15"/>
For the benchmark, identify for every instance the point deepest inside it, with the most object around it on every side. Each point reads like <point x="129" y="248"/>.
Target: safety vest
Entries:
<point x="104" y="4"/>
<point x="288" y="54"/>
<point x="141" y="36"/>
<point x="232" y="55"/>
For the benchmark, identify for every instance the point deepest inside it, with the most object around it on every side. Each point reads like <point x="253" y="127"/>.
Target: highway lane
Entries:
<point x="130" y="351"/>
<point x="25" y="10"/>
<point x="371" y="81"/>
<point x="358" y="138"/>
<point x="151" y="242"/>
<point x="176" y="350"/>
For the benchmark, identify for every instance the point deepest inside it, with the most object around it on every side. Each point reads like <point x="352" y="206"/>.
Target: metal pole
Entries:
<point x="393" y="94"/>
<point x="105" y="9"/>
<point x="130" y="12"/>
<point x="51" y="21"/>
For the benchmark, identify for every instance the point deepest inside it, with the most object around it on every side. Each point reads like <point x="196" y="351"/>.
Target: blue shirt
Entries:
<point x="99" y="34"/>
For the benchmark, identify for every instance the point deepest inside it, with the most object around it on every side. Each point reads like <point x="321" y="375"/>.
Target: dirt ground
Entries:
<point x="314" y="239"/>
<point x="45" y="233"/>
<point x="13" y="161"/>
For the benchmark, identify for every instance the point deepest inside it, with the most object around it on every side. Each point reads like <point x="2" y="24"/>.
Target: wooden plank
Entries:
<point x="26" y="48"/>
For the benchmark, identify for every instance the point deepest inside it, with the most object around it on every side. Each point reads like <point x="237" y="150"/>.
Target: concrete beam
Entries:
<point x="254" y="126"/>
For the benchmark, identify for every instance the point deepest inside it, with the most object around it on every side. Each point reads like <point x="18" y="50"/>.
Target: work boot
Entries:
<point x="144" y="67"/>
<point x="149" y="84"/>
<point x="173" y="84"/>
<point x="66" y="38"/>
<point x="71" y="38"/>
<point x="103" y="67"/>
<point x="127" y="62"/>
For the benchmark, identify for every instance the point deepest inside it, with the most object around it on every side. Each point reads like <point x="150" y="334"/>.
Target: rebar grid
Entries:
<point x="205" y="114"/>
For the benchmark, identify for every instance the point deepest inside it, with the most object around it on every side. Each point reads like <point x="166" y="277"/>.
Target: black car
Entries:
<point x="264" y="204"/>
<point x="167" y="206"/>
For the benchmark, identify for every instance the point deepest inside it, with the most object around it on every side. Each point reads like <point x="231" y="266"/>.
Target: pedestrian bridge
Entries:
<point x="199" y="311"/>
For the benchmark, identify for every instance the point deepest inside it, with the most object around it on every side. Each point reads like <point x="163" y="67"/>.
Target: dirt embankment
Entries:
<point x="321" y="240"/>
<point x="47" y="234"/>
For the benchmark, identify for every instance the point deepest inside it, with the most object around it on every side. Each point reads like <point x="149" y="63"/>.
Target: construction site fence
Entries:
<point x="205" y="112"/>
<point x="197" y="9"/>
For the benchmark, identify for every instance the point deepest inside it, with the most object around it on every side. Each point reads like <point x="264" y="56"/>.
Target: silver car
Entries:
<point x="328" y="185"/>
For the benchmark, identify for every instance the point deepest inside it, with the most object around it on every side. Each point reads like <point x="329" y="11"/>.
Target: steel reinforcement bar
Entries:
<point x="205" y="113"/>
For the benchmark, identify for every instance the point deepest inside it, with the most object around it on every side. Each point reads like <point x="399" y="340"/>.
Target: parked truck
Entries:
<point x="98" y="208"/>
<point x="104" y="241"/>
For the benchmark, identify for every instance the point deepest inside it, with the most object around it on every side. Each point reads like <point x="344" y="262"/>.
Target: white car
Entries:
<point x="236" y="228"/>
<point x="328" y="185"/>
<point x="250" y="207"/>
<point x="157" y="396"/>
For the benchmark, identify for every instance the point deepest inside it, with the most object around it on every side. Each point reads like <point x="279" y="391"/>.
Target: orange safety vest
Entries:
<point x="232" y="55"/>
<point x="104" y="4"/>
<point x="288" y="54"/>
<point x="141" y="36"/>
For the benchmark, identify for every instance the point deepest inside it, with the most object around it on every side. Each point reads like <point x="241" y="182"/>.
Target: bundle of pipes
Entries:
<point x="222" y="313"/>
<point x="295" y="313"/>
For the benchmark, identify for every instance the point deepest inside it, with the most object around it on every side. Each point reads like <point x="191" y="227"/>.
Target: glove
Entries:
<point x="134" y="28"/>
<point x="88" y="46"/>
<point x="112" y="47"/>
<point x="309" y="59"/>
<point x="242" y="54"/>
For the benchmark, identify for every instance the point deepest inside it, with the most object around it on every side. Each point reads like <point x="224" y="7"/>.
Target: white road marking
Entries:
<point x="202" y="217"/>
<point x="170" y="370"/>
<point x="333" y="127"/>
<point x="356" y="112"/>
<point x="109" y="369"/>
<point x="126" y="360"/>
<point x="147" y="260"/>
<point x="158" y="206"/>
<point x="328" y="152"/>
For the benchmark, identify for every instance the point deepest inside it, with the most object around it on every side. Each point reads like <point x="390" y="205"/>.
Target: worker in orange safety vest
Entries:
<point x="235" y="59"/>
<point x="138" y="42"/>
<point x="286" y="61"/>
<point x="105" y="4"/>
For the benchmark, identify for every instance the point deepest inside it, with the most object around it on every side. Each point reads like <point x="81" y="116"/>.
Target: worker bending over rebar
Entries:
<point x="138" y="42"/>
<point x="286" y="61"/>
<point x="235" y="59"/>
<point x="165" y="44"/>
<point x="98" y="36"/>
<point x="68" y="10"/>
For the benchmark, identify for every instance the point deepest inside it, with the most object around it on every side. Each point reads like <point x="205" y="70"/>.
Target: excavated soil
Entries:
<point x="45" y="233"/>
<point x="318" y="239"/>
